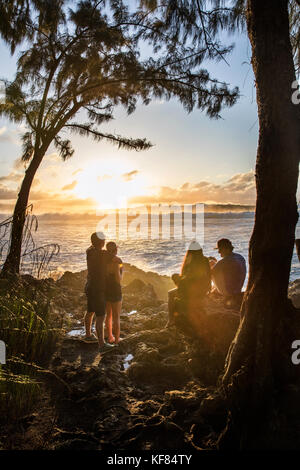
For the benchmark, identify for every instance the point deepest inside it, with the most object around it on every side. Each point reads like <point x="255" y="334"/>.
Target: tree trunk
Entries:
<point x="12" y="262"/>
<point x="258" y="363"/>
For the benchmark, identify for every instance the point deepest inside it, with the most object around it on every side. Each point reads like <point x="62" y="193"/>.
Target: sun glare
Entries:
<point x="109" y="186"/>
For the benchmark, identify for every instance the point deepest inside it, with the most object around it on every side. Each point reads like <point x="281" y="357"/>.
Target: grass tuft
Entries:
<point x="30" y="337"/>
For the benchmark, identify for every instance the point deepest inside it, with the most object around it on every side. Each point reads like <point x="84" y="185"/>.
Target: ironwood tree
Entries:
<point x="258" y="370"/>
<point x="83" y="59"/>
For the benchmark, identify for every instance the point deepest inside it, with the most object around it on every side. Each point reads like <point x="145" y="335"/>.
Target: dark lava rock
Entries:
<point x="163" y="434"/>
<point x="213" y="409"/>
<point x="77" y="444"/>
<point x="137" y="287"/>
<point x="154" y="371"/>
<point x="183" y="399"/>
<point x="198" y="432"/>
<point x="139" y="295"/>
<point x="73" y="280"/>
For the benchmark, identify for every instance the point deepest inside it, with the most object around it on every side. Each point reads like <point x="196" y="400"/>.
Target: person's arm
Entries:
<point x="216" y="266"/>
<point x="118" y="269"/>
<point x="120" y="265"/>
<point x="176" y="279"/>
<point x="208" y="275"/>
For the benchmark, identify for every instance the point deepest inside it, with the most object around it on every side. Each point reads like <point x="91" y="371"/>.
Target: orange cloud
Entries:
<point x="77" y="171"/>
<point x="69" y="186"/>
<point x="6" y="193"/>
<point x="239" y="189"/>
<point x="130" y="175"/>
<point x="13" y="177"/>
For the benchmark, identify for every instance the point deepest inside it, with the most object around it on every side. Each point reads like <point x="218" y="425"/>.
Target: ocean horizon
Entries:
<point x="163" y="256"/>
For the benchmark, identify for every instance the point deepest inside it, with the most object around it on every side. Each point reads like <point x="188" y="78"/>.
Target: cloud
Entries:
<point x="18" y="164"/>
<point x="52" y="157"/>
<point x="42" y="195"/>
<point x="50" y="171"/>
<point x="70" y="186"/>
<point x="45" y="203"/>
<point x="239" y="189"/>
<point x="4" y="135"/>
<point x="7" y="194"/>
<point x="13" y="177"/>
<point x="6" y="207"/>
<point x="130" y="175"/>
<point x="55" y="203"/>
<point x="36" y="182"/>
<point x="103" y="178"/>
<point x="77" y="171"/>
<point x="10" y="135"/>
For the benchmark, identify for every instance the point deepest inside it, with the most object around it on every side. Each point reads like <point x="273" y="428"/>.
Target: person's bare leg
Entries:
<point x="88" y="319"/>
<point x="100" y="330"/>
<point x="109" y="322"/>
<point x="116" y="312"/>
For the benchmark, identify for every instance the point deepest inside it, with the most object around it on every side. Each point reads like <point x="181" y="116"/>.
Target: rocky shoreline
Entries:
<point x="155" y="391"/>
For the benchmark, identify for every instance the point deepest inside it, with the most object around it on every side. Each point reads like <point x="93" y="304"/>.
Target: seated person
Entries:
<point x="193" y="283"/>
<point x="229" y="273"/>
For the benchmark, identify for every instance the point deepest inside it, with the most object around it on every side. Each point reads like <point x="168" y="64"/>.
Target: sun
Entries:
<point x="108" y="187"/>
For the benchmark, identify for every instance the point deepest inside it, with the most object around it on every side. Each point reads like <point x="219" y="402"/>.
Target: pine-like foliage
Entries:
<point x="85" y="56"/>
<point x="294" y="6"/>
<point x="199" y="22"/>
<point x="82" y="59"/>
<point x="17" y="18"/>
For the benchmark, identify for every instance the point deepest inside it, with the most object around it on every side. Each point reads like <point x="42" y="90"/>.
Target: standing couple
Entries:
<point x="103" y="291"/>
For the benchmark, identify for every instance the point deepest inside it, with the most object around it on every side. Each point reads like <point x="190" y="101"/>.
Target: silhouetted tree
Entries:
<point x="87" y="58"/>
<point x="258" y="367"/>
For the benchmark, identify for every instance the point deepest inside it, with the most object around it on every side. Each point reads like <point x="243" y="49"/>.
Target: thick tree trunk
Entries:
<point x="12" y="262"/>
<point x="258" y="364"/>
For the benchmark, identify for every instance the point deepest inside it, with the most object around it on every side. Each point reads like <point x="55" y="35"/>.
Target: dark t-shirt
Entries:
<point x="229" y="274"/>
<point x="96" y="263"/>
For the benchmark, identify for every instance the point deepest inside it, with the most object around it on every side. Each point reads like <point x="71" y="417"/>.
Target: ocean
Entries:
<point x="162" y="256"/>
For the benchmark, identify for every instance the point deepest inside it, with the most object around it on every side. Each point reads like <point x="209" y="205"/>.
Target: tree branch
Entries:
<point x="136" y="144"/>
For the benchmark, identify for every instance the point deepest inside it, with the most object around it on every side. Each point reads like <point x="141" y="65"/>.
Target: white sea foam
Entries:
<point x="162" y="256"/>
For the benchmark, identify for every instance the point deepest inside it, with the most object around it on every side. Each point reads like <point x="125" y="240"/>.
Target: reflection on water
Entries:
<point x="76" y="332"/>
<point x="132" y="312"/>
<point x="127" y="359"/>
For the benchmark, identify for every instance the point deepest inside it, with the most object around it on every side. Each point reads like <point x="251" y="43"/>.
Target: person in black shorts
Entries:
<point x="97" y="260"/>
<point x="113" y="293"/>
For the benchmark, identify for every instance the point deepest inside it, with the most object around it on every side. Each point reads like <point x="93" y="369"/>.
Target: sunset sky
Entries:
<point x="194" y="159"/>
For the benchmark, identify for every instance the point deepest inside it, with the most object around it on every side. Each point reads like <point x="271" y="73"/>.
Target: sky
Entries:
<point x="193" y="159"/>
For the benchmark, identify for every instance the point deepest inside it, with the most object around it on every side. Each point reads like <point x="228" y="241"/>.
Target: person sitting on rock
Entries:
<point x="229" y="273"/>
<point x="193" y="284"/>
